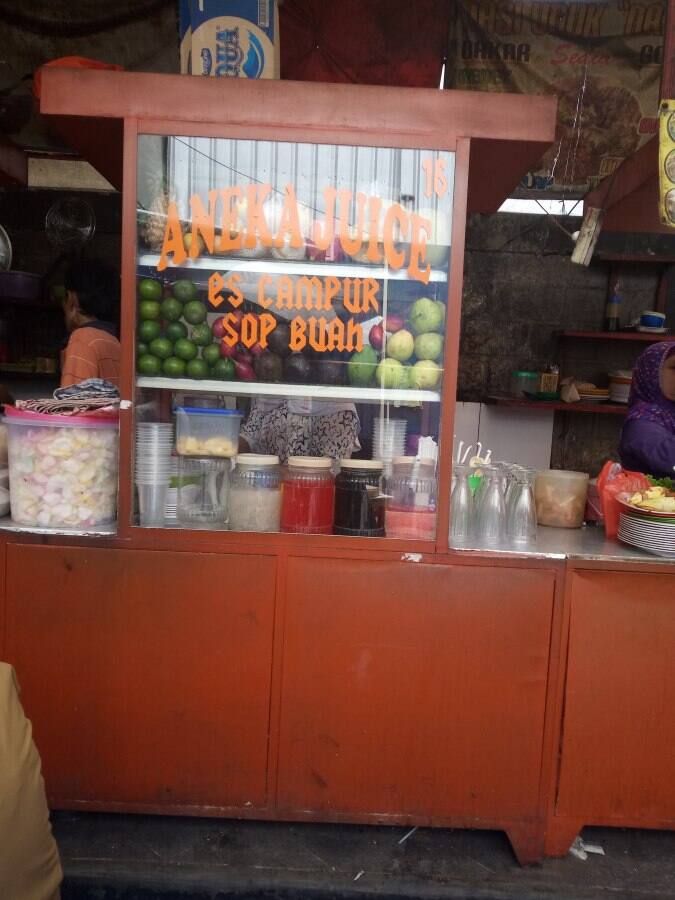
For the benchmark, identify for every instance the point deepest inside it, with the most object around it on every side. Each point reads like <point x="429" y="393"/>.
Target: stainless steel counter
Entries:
<point x="587" y="543"/>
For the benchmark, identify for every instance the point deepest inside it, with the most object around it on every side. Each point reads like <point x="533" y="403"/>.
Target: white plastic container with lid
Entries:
<point x="255" y="493"/>
<point x="62" y="469"/>
<point x="207" y="432"/>
<point x="560" y="497"/>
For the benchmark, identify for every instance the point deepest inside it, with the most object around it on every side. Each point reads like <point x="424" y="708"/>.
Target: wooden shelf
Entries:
<point x="617" y="409"/>
<point x="617" y="336"/>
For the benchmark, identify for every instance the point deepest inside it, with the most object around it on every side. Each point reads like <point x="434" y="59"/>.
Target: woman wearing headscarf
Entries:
<point x="648" y="436"/>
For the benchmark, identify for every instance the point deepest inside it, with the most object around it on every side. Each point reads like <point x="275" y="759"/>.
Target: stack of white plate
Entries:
<point x="656" y="536"/>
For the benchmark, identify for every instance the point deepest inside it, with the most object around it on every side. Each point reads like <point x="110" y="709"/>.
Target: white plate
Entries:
<point x="643" y="542"/>
<point x="649" y="329"/>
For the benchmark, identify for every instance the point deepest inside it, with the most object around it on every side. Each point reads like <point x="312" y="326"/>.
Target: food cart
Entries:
<point x="328" y="677"/>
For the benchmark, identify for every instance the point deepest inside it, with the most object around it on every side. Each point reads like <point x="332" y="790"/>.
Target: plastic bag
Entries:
<point x="614" y="480"/>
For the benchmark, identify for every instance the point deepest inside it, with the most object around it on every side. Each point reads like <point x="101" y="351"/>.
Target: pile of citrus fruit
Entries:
<point x="174" y="338"/>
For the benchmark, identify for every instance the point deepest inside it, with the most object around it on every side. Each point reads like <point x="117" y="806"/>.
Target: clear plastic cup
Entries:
<point x="152" y="503"/>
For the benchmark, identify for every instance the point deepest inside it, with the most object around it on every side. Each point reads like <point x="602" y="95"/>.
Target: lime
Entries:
<point x="148" y="331"/>
<point x="141" y="349"/>
<point x="194" y="312"/>
<point x="173" y="367"/>
<point x="184" y="290"/>
<point x="175" y="331"/>
<point x="223" y="370"/>
<point x="211" y="354"/>
<point x="149" y="309"/>
<point x="149" y="289"/>
<point x="172" y="309"/>
<point x="197" y="368"/>
<point x="185" y="349"/>
<point x="201" y="335"/>
<point x="161" y="347"/>
<point x="149" y="365"/>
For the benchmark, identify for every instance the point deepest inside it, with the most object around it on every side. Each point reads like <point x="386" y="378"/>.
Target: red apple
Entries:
<point x="241" y="354"/>
<point x="394" y="323"/>
<point x="226" y="351"/>
<point x="376" y="336"/>
<point x="218" y="327"/>
<point x="244" y="370"/>
<point x="256" y="349"/>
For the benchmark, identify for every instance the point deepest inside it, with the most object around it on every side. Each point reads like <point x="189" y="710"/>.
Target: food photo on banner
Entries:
<point x="602" y="60"/>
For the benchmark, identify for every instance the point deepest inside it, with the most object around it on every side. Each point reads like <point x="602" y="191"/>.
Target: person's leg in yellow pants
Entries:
<point x="29" y="860"/>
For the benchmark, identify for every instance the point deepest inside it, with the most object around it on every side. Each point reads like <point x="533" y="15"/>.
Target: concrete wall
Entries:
<point x="520" y="287"/>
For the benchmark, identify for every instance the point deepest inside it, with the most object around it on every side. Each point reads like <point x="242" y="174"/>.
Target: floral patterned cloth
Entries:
<point x="285" y="433"/>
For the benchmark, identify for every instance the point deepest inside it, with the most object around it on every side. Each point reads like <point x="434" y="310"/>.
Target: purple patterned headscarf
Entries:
<point x="647" y="400"/>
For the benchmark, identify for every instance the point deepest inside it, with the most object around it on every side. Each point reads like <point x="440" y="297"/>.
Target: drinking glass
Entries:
<point x="461" y="505"/>
<point x="521" y="518"/>
<point x="491" y="517"/>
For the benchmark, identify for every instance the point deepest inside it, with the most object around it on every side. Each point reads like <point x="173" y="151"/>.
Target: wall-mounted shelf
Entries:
<point x="316" y="391"/>
<point x="617" y="336"/>
<point x="616" y="409"/>
<point x="287" y="267"/>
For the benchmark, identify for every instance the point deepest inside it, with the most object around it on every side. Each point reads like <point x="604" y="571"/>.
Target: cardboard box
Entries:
<point x="229" y="38"/>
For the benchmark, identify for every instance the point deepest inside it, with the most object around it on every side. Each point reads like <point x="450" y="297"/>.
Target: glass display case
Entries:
<point x="290" y="335"/>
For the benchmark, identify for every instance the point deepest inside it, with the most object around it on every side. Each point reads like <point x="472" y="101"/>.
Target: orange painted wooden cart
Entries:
<point x="301" y="677"/>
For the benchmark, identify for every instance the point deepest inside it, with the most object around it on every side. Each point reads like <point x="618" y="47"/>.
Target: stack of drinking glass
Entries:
<point x="499" y="510"/>
<point x="154" y="445"/>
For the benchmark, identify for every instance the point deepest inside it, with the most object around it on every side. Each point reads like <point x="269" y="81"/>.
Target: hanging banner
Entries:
<point x="603" y="60"/>
<point x="667" y="162"/>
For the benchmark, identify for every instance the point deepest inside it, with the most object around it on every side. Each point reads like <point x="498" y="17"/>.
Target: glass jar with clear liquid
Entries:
<point x="203" y="484"/>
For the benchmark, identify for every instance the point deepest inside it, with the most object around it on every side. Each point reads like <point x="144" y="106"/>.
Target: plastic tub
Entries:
<point x="560" y="497"/>
<point x="207" y="432"/>
<point x="522" y="383"/>
<point x="62" y="469"/>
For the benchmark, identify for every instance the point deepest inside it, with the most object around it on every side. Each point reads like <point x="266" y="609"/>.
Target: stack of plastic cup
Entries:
<point x="389" y="440"/>
<point x="154" y="446"/>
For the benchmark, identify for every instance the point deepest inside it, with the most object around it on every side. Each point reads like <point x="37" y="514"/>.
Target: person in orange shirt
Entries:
<point x="91" y="310"/>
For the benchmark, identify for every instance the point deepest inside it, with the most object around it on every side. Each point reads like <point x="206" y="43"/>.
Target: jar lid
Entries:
<point x="310" y="462"/>
<point x="374" y="464"/>
<point x="257" y="459"/>
<point x="525" y="374"/>
<point x="413" y="460"/>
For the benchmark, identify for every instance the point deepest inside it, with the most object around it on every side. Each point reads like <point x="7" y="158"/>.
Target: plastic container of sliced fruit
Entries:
<point x="207" y="432"/>
<point x="62" y="469"/>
